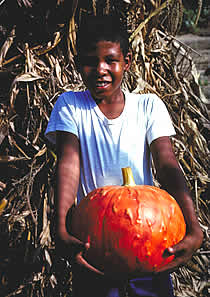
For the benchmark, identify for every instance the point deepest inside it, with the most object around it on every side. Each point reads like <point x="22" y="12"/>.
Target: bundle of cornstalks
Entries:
<point x="37" y="47"/>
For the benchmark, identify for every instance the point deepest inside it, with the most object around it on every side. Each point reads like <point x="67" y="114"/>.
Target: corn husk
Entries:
<point x="36" y="65"/>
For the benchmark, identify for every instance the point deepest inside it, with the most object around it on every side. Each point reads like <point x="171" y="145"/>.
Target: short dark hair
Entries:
<point x="96" y="28"/>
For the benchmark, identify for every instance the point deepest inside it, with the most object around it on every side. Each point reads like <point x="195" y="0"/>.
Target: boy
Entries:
<point x="101" y="130"/>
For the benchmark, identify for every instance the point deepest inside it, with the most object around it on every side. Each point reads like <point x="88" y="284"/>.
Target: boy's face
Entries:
<point x="102" y="69"/>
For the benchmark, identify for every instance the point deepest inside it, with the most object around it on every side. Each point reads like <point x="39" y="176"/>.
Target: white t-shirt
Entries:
<point x="109" y="145"/>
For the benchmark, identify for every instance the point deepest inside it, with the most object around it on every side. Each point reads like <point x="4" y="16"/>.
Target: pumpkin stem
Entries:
<point x="128" y="179"/>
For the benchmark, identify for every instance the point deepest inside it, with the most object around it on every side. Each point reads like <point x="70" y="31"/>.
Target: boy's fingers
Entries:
<point x="75" y="241"/>
<point x="87" y="245"/>
<point x="181" y="256"/>
<point x="82" y="248"/>
<point x="81" y="261"/>
<point x="175" y="250"/>
<point x="170" y="267"/>
<point x="71" y="246"/>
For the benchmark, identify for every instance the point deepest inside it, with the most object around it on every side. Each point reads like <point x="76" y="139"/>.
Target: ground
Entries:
<point x="201" y="44"/>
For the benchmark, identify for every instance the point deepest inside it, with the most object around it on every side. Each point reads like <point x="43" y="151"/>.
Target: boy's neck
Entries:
<point x="111" y="107"/>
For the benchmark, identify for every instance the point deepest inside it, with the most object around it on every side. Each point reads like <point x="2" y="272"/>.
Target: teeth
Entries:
<point x="101" y="84"/>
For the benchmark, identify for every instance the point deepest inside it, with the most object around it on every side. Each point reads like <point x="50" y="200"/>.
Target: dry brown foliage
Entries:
<point x="36" y="65"/>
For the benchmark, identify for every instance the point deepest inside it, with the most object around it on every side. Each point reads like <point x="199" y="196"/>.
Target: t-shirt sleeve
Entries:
<point x="63" y="117"/>
<point x="159" y="123"/>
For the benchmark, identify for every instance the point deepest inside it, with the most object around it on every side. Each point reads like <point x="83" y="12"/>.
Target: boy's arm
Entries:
<point x="67" y="178"/>
<point x="172" y="180"/>
<point x="67" y="181"/>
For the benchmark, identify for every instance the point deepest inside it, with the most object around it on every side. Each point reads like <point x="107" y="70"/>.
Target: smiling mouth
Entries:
<point x="102" y="84"/>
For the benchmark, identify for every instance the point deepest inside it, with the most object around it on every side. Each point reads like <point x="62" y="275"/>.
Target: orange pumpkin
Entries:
<point x="128" y="227"/>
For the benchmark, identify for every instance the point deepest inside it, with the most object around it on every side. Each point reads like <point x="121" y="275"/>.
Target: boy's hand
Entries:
<point x="183" y="251"/>
<point x="75" y="249"/>
<point x="79" y="259"/>
<point x="173" y="181"/>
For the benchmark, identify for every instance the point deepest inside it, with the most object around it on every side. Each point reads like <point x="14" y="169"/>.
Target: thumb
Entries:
<point x="87" y="246"/>
<point x="175" y="249"/>
<point x="171" y="250"/>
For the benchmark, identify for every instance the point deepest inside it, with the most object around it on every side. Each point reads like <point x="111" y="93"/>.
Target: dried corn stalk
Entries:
<point x="34" y="70"/>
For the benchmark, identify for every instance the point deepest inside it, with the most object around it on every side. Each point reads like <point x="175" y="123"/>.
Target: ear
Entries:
<point x="128" y="60"/>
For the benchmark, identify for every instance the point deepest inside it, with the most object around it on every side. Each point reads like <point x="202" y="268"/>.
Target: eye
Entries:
<point x="111" y="60"/>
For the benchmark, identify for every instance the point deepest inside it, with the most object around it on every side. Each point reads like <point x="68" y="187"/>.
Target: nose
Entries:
<point x="101" y="68"/>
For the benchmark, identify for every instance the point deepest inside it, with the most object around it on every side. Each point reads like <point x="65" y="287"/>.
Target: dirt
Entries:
<point x="201" y="44"/>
